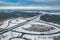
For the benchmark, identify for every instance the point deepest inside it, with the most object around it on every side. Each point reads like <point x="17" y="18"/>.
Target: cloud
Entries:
<point x="31" y="3"/>
<point x="44" y="0"/>
<point x="8" y="4"/>
<point x="29" y="7"/>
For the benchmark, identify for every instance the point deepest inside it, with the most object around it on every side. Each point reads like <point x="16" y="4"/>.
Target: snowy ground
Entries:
<point x="5" y="23"/>
<point x="12" y="22"/>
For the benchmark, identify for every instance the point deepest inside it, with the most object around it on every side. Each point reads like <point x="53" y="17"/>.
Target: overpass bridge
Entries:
<point x="36" y="18"/>
<point x="18" y="25"/>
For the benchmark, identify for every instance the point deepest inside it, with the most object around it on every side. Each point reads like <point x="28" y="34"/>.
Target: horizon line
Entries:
<point x="29" y="8"/>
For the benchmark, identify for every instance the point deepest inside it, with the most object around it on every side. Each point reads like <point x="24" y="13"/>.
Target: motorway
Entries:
<point x="16" y="26"/>
<point x="23" y="23"/>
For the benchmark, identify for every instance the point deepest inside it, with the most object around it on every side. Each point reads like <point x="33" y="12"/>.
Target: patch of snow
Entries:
<point x="17" y="21"/>
<point x="5" y="23"/>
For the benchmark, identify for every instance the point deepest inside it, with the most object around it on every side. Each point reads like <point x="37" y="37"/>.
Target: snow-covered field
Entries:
<point x="12" y="22"/>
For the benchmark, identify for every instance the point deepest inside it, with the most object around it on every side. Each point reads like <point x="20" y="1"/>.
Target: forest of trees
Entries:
<point x="51" y="18"/>
<point x="15" y="14"/>
<point x="8" y="15"/>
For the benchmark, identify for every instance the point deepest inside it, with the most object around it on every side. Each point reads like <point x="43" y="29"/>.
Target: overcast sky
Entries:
<point x="42" y="4"/>
<point x="30" y="2"/>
